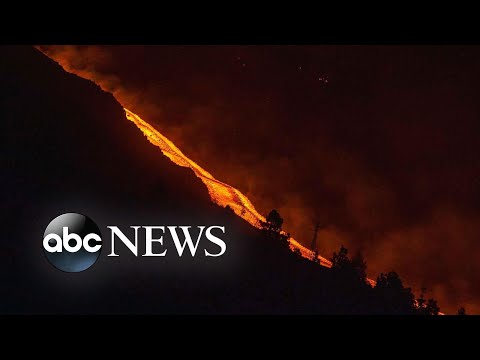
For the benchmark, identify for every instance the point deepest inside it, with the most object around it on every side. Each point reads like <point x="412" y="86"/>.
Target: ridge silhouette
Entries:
<point x="67" y="146"/>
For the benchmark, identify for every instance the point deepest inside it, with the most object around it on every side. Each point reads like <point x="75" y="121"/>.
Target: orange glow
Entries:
<point x="221" y="194"/>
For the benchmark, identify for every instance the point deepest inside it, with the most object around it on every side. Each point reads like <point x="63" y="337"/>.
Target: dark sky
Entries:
<point x="377" y="143"/>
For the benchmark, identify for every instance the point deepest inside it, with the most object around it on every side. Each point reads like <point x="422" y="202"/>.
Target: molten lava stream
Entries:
<point x="221" y="194"/>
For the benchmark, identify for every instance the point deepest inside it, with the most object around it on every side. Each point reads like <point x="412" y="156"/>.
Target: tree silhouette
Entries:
<point x="315" y="258"/>
<point x="426" y="307"/>
<point x="392" y="297"/>
<point x="340" y="261"/>
<point x="273" y="222"/>
<point x="352" y="272"/>
<point x="359" y="266"/>
<point x="273" y="227"/>
<point x="461" y="311"/>
<point x="432" y="307"/>
<point x="421" y="302"/>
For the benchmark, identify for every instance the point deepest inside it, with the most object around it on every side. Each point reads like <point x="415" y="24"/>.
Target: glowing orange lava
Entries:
<point x="221" y="194"/>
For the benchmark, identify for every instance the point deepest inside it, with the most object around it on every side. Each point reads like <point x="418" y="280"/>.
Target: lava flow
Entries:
<point x="221" y="194"/>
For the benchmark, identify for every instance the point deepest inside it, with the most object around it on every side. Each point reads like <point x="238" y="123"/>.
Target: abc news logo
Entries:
<point x="73" y="242"/>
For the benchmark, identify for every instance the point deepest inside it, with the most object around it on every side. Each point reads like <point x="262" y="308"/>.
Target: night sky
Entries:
<point x="379" y="144"/>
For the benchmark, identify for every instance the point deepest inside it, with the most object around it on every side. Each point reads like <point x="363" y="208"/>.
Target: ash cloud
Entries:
<point x="384" y="156"/>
